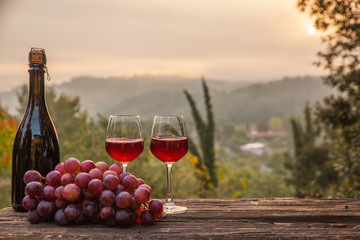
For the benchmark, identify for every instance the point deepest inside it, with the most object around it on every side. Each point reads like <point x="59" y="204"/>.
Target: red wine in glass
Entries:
<point x="124" y="149"/>
<point x="169" y="149"/>
<point x="124" y="141"/>
<point x="169" y="143"/>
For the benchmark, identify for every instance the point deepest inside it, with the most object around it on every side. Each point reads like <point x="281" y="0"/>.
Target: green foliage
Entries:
<point x="275" y="124"/>
<point x="7" y="135"/>
<point x="311" y="170"/>
<point x="233" y="182"/>
<point x="228" y="129"/>
<point x="262" y="185"/>
<point x="5" y="190"/>
<point x="277" y="161"/>
<point x="340" y="22"/>
<point x="206" y="133"/>
<point x="252" y="176"/>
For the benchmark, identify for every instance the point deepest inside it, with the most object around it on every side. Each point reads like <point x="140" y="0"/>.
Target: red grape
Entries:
<point x="72" y="212"/>
<point x="102" y="166"/>
<point x="134" y="205"/>
<point x="67" y="178"/>
<point x="109" y="172"/>
<point x="129" y="182"/>
<point x="33" y="216"/>
<point x="81" y="218"/>
<point x="77" y="192"/>
<point x="122" y="175"/>
<point x="116" y="168"/>
<point x="119" y="189"/>
<point x="97" y="218"/>
<point x="87" y="165"/>
<point x="60" y="168"/>
<point x="32" y="175"/>
<point x="71" y="192"/>
<point x="139" y="181"/>
<point x="88" y="194"/>
<point x="90" y="209"/>
<point x="146" y="186"/>
<point x="142" y="195"/>
<point x="48" y="193"/>
<point x="72" y="165"/>
<point x="107" y="198"/>
<point x="58" y="192"/>
<point x="147" y="218"/>
<point x="107" y="213"/>
<point x="123" y="200"/>
<point x="95" y="174"/>
<point x="30" y="203"/>
<point x="60" y="203"/>
<point x="111" y="182"/>
<point x="60" y="218"/>
<point x="82" y="180"/>
<point x="125" y="217"/>
<point x="53" y="178"/>
<point x="95" y="186"/>
<point x="33" y="189"/>
<point x="45" y="208"/>
<point x="156" y="207"/>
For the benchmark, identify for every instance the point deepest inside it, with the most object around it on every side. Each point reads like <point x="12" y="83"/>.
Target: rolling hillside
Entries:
<point x="149" y="95"/>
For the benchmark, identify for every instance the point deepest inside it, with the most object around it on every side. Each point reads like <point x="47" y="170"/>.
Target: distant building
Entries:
<point x="256" y="148"/>
<point x="253" y="133"/>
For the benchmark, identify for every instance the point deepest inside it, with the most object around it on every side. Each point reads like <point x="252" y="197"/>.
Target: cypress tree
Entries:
<point x="206" y="133"/>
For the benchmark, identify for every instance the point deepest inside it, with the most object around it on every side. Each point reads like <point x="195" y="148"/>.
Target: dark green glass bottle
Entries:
<point x="36" y="143"/>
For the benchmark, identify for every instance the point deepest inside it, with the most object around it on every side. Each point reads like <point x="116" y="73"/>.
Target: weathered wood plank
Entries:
<point x="214" y="219"/>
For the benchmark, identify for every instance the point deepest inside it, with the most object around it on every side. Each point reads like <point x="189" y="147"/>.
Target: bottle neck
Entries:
<point x="37" y="88"/>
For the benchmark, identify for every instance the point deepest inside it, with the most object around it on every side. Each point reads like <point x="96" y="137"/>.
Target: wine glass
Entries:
<point x="124" y="141"/>
<point x="169" y="143"/>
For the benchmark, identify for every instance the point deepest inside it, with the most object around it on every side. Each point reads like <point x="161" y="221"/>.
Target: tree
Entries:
<point x="311" y="171"/>
<point x="340" y="22"/>
<point x="205" y="164"/>
<point x="263" y="126"/>
<point x="7" y="135"/>
<point x="276" y="124"/>
<point x="228" y="129"/>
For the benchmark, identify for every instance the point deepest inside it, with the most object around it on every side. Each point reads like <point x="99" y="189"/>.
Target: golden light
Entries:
<point x="311" y="30"/>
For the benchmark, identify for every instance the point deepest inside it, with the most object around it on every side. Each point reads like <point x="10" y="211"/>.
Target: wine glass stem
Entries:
<point x="169" y="199"/>
<point x="124" y="166"/>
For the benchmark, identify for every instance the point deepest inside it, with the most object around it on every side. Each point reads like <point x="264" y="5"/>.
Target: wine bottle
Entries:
<point x="36" y="142"/>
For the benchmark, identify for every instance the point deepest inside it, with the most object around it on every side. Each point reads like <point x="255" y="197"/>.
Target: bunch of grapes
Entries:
<point x="89" y="192"/>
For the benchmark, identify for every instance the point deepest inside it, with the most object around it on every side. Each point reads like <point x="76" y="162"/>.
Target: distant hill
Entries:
<point x="148" y="95"/>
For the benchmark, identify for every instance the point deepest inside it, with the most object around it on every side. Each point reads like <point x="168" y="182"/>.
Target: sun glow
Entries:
<point x="311" y="30"/>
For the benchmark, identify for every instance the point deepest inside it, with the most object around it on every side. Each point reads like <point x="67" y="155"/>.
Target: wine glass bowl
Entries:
<point x="124" y="141"/>
<point x="169" y="143"/>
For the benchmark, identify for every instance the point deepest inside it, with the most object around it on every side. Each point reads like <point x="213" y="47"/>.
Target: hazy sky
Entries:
<point x="238" y="40"/>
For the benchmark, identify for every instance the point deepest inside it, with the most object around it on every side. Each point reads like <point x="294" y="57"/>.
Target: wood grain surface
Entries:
<point x="278" y="218"/>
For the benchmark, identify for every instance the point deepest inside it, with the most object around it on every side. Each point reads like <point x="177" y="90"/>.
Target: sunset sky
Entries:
<point x="234" y="40"/>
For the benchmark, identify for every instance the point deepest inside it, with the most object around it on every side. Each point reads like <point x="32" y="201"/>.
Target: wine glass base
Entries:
<point x="173" y="209"/>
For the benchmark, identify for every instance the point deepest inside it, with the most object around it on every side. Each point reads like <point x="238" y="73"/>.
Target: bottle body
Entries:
<point x="36" y="143"/>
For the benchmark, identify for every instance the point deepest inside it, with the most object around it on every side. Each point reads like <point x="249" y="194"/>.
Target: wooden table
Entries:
<point x="213" y="219"/>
